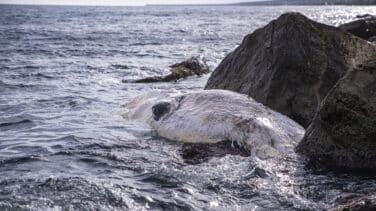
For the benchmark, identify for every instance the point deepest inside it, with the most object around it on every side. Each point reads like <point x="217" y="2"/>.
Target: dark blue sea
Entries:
<point x="65" y="146"/>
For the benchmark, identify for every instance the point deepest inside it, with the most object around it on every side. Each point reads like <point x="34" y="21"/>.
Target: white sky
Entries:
<point x="117" y="2"/>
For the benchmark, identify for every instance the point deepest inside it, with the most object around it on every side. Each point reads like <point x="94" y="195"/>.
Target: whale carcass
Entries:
<point x="212" y="116"/>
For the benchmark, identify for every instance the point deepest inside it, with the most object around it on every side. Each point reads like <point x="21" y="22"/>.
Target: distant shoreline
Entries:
<point x="309" y="3"/>
<point x="246" y="4"/>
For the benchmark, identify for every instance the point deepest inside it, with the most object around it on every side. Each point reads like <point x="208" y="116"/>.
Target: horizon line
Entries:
<point x="119" y="5"/>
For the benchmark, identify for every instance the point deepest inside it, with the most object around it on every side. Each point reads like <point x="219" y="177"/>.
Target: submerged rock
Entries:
<point x="290" y="64"/>
<point x="364" y="16"/>
<point x="361" y="203"/>
<point x="193" y="66"/>
<point x="364" y="28"/>
<point x="343" y="132"/>
<point x="212" y="116"/>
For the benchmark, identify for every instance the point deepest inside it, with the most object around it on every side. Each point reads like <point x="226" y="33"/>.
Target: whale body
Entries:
<point x="211" y="116"/>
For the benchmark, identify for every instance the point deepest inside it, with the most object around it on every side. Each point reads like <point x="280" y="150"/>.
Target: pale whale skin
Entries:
<point x="211" y="116"/>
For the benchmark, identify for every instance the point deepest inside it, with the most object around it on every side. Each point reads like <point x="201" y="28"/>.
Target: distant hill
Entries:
<point x="311" y="2"/>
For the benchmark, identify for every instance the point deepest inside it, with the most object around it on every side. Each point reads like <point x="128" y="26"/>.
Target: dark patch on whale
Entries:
<point x="160" y="109"/>
<point x="196" y="153"/>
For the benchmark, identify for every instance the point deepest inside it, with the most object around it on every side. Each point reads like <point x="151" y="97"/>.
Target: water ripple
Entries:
<point x="65" y="146"/>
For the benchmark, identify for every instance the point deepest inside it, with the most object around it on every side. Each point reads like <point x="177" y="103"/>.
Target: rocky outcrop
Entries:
<point x="193" y="66"/>
<point x="343" y="132"/>
<point x="364" y="28"/>
<point x="291" y="64"/>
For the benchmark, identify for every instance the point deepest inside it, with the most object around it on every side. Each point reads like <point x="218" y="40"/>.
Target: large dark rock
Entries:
<point x="190" y="67"/>
<point x="291" y="64"/>
<point x="343" y="132"/>
<point x="364" y="28"/>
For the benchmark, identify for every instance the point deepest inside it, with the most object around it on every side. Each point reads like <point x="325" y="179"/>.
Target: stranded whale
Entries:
<point x="211" y="116"/>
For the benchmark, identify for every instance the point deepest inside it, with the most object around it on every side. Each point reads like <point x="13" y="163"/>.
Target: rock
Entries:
<point x="372" y="39"/>
<point x="361" y="203"/>
<point x="290" y="65"/>
<point x="364" y="28"/>
<point x="364" y="16"/>
<point x="197" y="65"/>
<point x="193" y="66"/>
<point x="213" y="116"/>
<point x="343" y="133"/>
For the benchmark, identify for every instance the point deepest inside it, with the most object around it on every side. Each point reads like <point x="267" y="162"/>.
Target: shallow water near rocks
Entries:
<point x="65" y="146"/>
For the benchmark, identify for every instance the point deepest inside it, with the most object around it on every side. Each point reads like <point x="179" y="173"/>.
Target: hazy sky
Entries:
<point x="118" y="2"/>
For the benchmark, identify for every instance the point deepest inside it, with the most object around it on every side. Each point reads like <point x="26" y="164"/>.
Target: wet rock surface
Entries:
<point x="193" y="66"/>
<point x="360" y="203"/>
<point x="291" y="64"/>
<point x="343" y="132"/>
<point x="364" y="28"/>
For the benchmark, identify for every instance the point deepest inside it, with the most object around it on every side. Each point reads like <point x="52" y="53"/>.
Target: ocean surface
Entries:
<point x="65" y="146"/>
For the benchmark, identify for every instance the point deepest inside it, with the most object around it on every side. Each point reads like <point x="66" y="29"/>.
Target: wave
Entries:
<point x="93" y="155"/>
<point x="31" y="67"/>
<point x="61" y="194"/>
<point x="73" y="102"/>
<point x="19" y="160"/>
<point x="16" y="125"/>
<point x="41" y="75"/>
<point x="3" y="84"/>
<point x="120" y="66"/>
<point x="6" y="86"/>
<point x="162" y="15"/>
<point x="32" y="75"/>
<point x="145" y="43"/>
